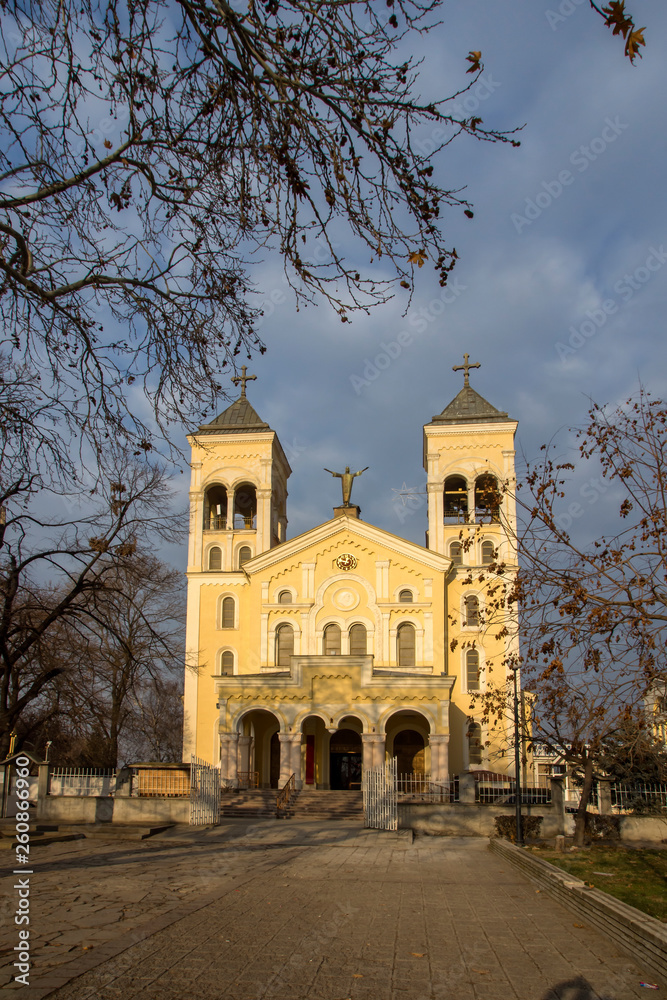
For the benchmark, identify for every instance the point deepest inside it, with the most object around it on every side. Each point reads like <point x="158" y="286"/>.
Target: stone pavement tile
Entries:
<point x="328" y="922"/>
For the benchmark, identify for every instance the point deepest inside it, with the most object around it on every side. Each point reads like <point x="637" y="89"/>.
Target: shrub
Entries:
<point x="506" y="827"/>
<point x="603" y="827"/>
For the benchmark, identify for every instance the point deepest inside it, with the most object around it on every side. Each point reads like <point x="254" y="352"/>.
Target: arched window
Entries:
<point x="487" y="499"/>
<point x="456" y="500"/>
<point x="245" y="553"/>
<point x="228" y="616"/>
<point x="284" y="645"/>
<point x="215" y="508"/>
<point x="227" y="662"/>
<point x="405" y="643"/>
<point x="456" y="553"/>
<point x="472" y="670"/>
<point x="474" y="743"/>
<point x="487" y="553"/>
<point x="215" y="557"/>
<point x="358" y="640"/>
<point x="284" y="597"/>
<point x="331" y="641"/>
<point x="405" y="597"/>
<point x="245" y="506"/>
<point x="472" y="610"/>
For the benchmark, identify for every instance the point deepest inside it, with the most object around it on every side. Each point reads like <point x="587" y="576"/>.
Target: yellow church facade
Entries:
<point x="324" y="654"/>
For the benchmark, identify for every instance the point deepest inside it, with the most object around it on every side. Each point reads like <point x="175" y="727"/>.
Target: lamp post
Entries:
<point x="517" y="761"/>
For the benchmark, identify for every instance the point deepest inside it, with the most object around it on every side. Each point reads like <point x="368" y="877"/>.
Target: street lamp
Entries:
<point x="517" y="760"/>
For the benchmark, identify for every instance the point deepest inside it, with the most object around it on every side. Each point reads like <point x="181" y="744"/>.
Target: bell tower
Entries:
<point x="469" y="464"/>
<point x="238" y="490"/>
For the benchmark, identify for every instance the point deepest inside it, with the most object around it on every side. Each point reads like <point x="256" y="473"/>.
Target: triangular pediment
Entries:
<point x="347" y="526"/>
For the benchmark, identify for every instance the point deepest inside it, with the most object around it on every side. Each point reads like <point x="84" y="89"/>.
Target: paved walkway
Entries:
<point x="286" y="911"/>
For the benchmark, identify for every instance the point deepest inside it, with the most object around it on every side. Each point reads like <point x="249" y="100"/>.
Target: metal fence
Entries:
<point x="500" y="789"/>
<point x="82" y="781"/>
<point x="161" y="782"/>
<point x="380" y="797"/>
<point x="204" y="793"/>
<point x="420" y="788"/>
<point x="638" y="797"/>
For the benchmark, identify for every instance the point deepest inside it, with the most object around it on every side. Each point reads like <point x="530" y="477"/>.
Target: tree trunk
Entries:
<point x="580" y="818"/>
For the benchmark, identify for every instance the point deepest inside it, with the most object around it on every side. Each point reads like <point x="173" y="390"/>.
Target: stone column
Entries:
<point x="285" y="757"/>
<point x="229" y="767"/>
<point x="263" y="520"/>
<point x="439" y="758"/>
<point x="373" y="750"/>
<point x="558" y="801"/>
<point x="604" y="797"/>
<point x="295" y="755"/>
<point x="245" y="742"/>
<point x="467" y="787"/>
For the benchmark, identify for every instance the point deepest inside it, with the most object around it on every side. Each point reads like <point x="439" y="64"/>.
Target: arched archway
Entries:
<point x="259" y="749"/>
<point x="245" y="506"/>
<point x="345" y="755"/>
<point x="409" y="750"/>
<point x="407" y="736"/>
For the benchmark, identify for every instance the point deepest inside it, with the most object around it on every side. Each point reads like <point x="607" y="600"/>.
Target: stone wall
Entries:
<point x="98" y="809"/>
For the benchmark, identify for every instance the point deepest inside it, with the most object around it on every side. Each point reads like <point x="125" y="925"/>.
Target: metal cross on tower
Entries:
<point x="465" y="368"/>
<point x="243" y="378"/>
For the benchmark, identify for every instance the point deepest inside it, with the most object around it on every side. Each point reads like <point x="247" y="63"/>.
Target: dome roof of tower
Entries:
<point x="468" y="408"/>
<point x="239" y="417"/>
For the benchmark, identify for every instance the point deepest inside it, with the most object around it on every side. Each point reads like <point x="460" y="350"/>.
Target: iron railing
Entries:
<point x="285" y="795"/>
<point x="500" y="789"/>
<point x="204" y="793"/>
<point x="638" y="797"/>
<point x="82" y="781"/>
<point x="420" y="788"/>
<point x="248" y="779"/>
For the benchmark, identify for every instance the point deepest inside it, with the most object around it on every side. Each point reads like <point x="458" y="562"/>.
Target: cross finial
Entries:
<point x="465" y="368"/>
<point x="243" y="378"/>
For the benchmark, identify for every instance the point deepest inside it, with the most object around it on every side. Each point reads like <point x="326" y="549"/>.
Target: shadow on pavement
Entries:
<point x="574" y="989"/>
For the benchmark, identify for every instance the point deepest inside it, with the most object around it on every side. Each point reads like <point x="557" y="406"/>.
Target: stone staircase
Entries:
<point x="251" y="803"/>
<point x="318" y="803"/>
<point x="309" y="803"/>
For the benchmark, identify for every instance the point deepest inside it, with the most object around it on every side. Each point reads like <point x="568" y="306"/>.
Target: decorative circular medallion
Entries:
<point x="345" y="600"/>
<point x="346" y="561"/>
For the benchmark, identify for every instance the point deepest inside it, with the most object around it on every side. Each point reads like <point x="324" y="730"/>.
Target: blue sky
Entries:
<point x="561" y="285"/>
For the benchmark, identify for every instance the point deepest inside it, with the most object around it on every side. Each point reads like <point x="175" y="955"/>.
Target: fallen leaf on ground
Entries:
<point x="577" y="925"/>
<point x="482" y="972"/>
<point x="418" y="954"/>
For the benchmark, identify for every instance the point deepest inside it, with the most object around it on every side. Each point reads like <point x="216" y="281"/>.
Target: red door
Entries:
<point x="310" y="760"/>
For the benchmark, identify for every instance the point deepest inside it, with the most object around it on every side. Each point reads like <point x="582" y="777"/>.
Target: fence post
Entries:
<point x="558" y="801"/>
<point x="604" y="797"/>
<point x="42" y="781"/>
<point x="123" y="782"/>
<point x="467" y="787"/>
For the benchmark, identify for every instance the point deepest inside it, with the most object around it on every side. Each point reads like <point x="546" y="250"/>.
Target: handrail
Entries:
<point x="285" y="794"/>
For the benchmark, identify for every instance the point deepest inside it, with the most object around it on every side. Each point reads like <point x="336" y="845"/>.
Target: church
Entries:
<point x="325" y="654"/>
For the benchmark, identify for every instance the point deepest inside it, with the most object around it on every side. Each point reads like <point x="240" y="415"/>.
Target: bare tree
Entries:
<point x="151" y="154"/>
<point x="123" y="650"/>
<point x="56" y="572"/>
<point x="155" y="730"/>
<point x="589" y="620"/>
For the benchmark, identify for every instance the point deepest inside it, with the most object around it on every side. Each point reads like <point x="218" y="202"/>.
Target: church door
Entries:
<point x="345" y="760"/>
<point x="274" y="768"/>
